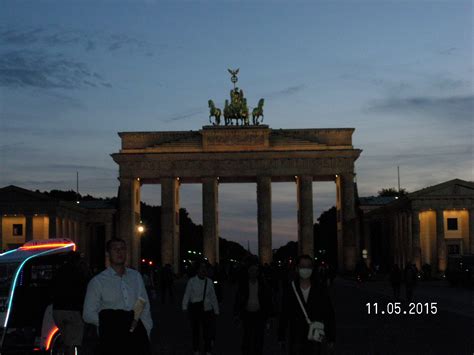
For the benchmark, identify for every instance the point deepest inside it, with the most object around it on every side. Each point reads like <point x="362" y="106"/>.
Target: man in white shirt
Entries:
<point x="109" y="304"/>
<point x="200" y="298"/>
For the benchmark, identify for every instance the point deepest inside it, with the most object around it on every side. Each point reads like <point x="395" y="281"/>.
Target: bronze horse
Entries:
<point x="214" y="112"/>
<point x="257" y="112"/>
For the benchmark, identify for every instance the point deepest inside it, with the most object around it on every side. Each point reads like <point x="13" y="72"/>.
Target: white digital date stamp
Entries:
<point x="411" y="308"/>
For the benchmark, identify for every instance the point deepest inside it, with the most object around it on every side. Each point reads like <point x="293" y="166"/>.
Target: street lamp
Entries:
<point x="141" y="228"/>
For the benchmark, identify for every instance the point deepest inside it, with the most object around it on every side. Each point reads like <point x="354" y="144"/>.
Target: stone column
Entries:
<point x="83" y="242"/>
<point x="340" y="231"/>
<point x="349" y="230"/>
<point x="264" y="218"/>
<point x="170" y="222"/>
<point x="1" y="233"/>
<point x="406" y="257"/>
<point x="52" y="225"/>
<point x="396" y="240"/>
<point x="59" y="227"/>
<point x="64" y="224"/>
<point x="129" y="218"/>
<point x="28" y="228"/>
<point x="411" y="254"/>
<point x="367" y="246"/>
<point x="415" y="235"/>
<point x="471" y="229"/>
<point x="305" y="215"/>
<point x="108" y="236"/>
<point x="76" y="231"/>
<point x="70" y="228"/>
<point x="440" y="242"/>
<point x="210" y="221"/>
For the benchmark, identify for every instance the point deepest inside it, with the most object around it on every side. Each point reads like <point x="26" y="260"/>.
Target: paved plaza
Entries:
<point x="447" y="332"/>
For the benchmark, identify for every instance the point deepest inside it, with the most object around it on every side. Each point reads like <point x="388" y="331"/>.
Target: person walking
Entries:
<point x="69" y="285"/>
<point x="253" y="307"/>
<point x="166" y="283"/>
<point x="396" y="280"/>
<point x="201" y="303"/>
<point x="307" y="313"/>
<point x="117" y="303"/>
<point x="410" y="280"/>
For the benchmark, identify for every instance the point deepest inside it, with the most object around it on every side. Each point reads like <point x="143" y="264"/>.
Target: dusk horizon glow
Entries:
<point x="73" y="74"/>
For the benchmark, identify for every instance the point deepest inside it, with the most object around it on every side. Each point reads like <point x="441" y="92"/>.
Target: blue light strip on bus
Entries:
<point x="10" y="301"/>
<point x="8" y="252"/>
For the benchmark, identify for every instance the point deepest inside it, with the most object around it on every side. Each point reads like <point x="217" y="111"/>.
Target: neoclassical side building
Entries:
<point x="424" y="227"/>
<point x="218" y="154"/>
<point x="26" y="215"/>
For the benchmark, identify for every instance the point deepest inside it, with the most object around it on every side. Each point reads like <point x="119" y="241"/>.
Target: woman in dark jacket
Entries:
<point x="318" y="308"/>
<point x="253" y="306"/>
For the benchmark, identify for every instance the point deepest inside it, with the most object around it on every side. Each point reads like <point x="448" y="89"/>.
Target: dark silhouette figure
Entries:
<point x="69" y="290"/>
<point x="395" y="280"/>
<point x="166" y="284"/>
<point x="253" y="307"/>
<point x="410" y="280"/>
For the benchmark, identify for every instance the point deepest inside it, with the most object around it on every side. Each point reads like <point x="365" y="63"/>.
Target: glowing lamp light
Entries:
<point x="50" y="337"/>
<point x="150" y="262"/>
<point x="141" y="229"/>
<point x="143" y="261"/>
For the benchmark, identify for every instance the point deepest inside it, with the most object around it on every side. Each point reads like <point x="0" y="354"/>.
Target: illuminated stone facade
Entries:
<point x="423" y="227"/>
<point x="26" y="215"/>
<point x="222" y="154"/>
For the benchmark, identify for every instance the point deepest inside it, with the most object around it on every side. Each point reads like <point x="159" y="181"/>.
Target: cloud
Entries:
<point x="184" y="115"/>
<point x="79" y="167"/>
<point x="447" y="51"/>
<point x="452" y="108"/>
<point x="55" y="37"/>
<point x="26" y="68"/>
<point x="288" y="91"/>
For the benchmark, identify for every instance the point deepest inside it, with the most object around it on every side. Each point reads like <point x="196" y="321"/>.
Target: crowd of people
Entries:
<point x="109" y="313"/>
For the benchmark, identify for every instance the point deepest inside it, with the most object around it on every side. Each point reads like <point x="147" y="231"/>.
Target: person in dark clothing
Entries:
<point x="253" y="306"/>
<point x="410" y="280"/>
<point x="69" y="290"/>
<point x="318" y="307"/>
<point x="395" y="280"/>
<point x="115" y="324"/>
<point x="166" y="284"/>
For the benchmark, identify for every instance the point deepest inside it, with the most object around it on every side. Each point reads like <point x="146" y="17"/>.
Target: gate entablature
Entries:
<point x="237" y="153"/>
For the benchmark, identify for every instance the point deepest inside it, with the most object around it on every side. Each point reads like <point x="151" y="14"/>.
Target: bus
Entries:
<point x="26" y="286"/>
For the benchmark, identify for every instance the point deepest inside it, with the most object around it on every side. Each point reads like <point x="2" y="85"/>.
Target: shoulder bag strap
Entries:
<point x="300" y="302"/>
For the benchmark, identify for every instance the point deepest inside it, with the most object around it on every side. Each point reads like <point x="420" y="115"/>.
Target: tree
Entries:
<point x="391" y="192"/>
<point x="325" y="237"/>
<point x="286" y="252"/>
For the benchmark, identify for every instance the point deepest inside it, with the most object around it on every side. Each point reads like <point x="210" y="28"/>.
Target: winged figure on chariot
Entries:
<point x="236" y="110"/>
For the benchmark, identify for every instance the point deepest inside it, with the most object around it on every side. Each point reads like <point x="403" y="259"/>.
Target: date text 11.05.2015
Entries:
<point x="399" y="308"/>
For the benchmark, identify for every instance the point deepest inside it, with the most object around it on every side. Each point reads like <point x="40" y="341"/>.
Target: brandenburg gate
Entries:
<point x="233" y="153"/>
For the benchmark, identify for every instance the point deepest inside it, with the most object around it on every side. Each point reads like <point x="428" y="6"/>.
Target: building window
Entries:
<point x="453" y="249"/>
<point x="452" y="224"/>
<point x="17" y="230"/>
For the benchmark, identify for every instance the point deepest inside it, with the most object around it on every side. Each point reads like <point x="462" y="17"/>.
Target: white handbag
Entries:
<point x="316" y="329"/>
